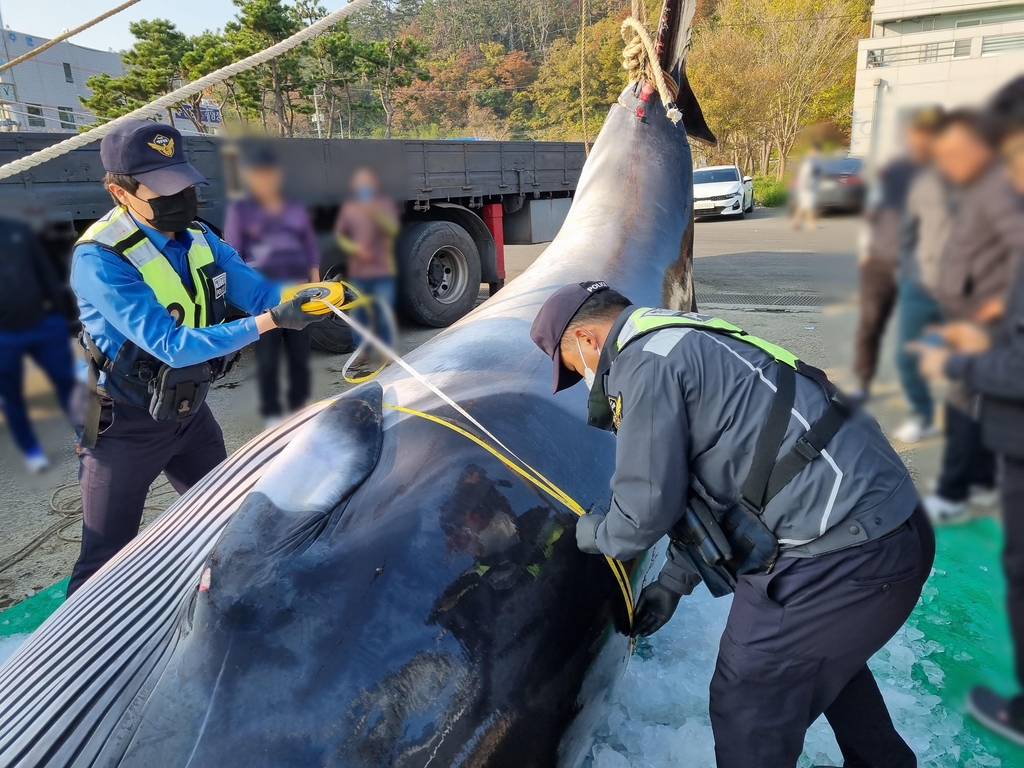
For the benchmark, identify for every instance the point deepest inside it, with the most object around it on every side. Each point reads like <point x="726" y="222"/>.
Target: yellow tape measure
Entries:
<point x="315" y="294"/>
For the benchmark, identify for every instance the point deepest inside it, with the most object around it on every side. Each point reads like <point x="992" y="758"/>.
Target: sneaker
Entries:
<point x="36" y="461"/>
<point x="914" y="430"/>
<point x="998" y="713"/>
<point x="984" y="496"/>
<point x="273" y="421"/>
<point x="942" y="510"/>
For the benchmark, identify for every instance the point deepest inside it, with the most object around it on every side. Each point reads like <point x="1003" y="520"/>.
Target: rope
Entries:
<point x="183" y="93"/>
<point x="640" y="59"/>
<point x="65" y="35"/>
<point x="66" y="503"/>
<point x="583" y="80"/>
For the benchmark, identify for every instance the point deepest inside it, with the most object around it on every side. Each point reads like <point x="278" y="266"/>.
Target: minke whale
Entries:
<point x="363" y="586"/>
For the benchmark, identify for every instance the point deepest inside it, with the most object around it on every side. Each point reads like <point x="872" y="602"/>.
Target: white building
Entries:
<point x="42" y="93"/>
<point x="921" y="52"/>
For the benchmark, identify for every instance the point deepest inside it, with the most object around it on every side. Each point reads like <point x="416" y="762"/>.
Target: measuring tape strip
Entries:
<point x="511" y="460"/>
<point x="618" y="569"/>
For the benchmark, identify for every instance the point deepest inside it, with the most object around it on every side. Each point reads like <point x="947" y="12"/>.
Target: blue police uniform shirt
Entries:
<point x="116" y="305"/>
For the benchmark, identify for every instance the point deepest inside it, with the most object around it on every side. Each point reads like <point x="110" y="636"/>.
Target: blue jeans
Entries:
<point x="916" y="311"/>
<point x="47" y="344"/>
<point x="384" y="289"/>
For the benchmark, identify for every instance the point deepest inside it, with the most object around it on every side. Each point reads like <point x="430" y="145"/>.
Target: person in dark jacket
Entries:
<point x="691" y="399"/>
<point x="990" y="360"/>
<point x="33" y="323"/>
<point x="976" y="270"/>
<point x="887" y="204"/>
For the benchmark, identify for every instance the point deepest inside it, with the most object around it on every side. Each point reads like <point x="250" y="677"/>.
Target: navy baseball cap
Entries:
<point x="151" y="152"/>
<point x="552" y="320"/>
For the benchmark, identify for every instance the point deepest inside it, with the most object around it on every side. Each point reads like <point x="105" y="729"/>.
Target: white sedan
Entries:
<point x="722" y="190"/>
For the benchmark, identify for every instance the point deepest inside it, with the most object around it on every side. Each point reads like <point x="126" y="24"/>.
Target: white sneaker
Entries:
<point x="37" y="463"/>
<point x="942" y="510"/>
<point x="984" y="497"/>
<point x="913" y="430"/>
<point x="273" y="421"/>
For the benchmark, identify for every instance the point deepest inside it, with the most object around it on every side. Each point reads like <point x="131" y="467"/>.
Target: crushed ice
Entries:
<point x="659" y="712"/>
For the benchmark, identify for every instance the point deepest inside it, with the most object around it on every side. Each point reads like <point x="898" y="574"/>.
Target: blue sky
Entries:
<point x="47" y="18"/>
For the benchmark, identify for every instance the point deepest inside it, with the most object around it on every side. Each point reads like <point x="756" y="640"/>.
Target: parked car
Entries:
<point x="840" y="185"/>
<point x="722" y="190"/>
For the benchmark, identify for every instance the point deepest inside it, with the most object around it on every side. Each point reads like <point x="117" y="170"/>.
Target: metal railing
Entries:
<point x="922" y="53"/>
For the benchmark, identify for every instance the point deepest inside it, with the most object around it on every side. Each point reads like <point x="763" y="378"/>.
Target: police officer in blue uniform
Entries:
<point x="153" y="287"/>
<point x="769" y="487"/>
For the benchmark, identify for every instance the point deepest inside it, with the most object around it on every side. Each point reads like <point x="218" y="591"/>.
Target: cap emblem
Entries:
<point x="599" y="285"/>
<point x="163" y="145"/>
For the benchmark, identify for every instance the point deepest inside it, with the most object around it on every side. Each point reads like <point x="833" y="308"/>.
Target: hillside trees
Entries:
<point x="763" y="70"/>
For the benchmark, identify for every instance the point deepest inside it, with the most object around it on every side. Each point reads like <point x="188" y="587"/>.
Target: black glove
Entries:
<point x="290" y="316"/>
<point x="586" y="533"/>
<point x="656" y="605"/>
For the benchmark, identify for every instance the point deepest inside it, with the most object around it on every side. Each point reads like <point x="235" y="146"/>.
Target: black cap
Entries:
<point x="552" y="320"/>
<point x="152" y="153"/>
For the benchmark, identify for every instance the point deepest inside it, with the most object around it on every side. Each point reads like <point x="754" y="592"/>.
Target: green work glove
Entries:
<point x="290" y="315"/>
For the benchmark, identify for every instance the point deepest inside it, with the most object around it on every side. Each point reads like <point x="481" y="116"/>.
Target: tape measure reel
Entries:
<point x="314" y="294"/>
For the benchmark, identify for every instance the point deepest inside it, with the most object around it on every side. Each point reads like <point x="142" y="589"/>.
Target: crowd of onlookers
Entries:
<point x="945" y="226"/>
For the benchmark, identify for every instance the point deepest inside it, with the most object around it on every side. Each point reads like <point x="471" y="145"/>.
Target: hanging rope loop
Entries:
<point x="640" y="59"/>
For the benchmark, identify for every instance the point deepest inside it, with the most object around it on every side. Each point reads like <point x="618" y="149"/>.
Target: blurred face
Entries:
<point x="264" y="183"/>
<point x="1012" y="151"/>
<point x="364" y="185"/>
<point x="919" y="143"/>
<point x="960" y="154"/>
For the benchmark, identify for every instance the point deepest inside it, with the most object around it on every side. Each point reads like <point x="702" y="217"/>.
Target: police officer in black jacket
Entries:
<point x="768" y="486"/>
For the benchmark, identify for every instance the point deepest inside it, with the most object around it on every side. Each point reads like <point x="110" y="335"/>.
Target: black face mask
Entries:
<point x="174" y="213"/>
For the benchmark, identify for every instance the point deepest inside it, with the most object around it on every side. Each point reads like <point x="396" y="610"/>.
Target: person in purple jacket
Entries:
<point x="274" y="236"/>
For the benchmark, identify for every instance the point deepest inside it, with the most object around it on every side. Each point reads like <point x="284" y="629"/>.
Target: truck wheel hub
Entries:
<point x="446" y="274"/>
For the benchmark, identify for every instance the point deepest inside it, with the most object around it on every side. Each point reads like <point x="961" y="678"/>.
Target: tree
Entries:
<point x="331" y="66"/>
<point x="154" y="65"/>
<point x="390" y="65"/>
<point x="258" y="25"/>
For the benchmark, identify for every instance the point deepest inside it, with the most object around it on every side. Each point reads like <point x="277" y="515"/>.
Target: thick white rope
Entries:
<point x="639" y="58"/>
<point x="185" y="92"/>
<point x="65" y="35"/>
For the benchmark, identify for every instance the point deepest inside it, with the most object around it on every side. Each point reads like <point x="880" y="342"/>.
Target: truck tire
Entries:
<point x="439" y="272"/>
<point x="331" y="335"/>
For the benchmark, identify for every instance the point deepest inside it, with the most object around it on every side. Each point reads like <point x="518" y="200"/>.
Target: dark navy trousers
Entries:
<point x="48" y="345"/>
<point x="115" y="476"/>
<point x="797" y="644"/>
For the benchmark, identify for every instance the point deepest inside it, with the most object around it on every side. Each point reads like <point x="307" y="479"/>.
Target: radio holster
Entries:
<point x="177" y="393"/>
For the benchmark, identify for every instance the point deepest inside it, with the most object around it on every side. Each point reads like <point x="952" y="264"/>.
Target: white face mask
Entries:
<point x="588" y="375"/>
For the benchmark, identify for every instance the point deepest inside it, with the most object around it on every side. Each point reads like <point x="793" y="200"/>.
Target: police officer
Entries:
<point x="153" y="286"/>
<point x="768" y="487"/>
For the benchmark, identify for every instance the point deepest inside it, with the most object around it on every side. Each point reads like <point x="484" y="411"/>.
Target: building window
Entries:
<point x="962" y="49"/>
<point x="35" y="116"/>
<point x="67" y="118"/>
<point x="67" y="73"/>
<point x="995" y="46"/>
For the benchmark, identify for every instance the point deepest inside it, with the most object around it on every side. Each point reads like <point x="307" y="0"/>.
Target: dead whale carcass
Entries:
<point x="365" y="586"/>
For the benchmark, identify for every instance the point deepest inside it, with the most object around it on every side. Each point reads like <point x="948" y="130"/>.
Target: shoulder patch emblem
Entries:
<point x="163" y="145"/>
<point x="616" y="405"/>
